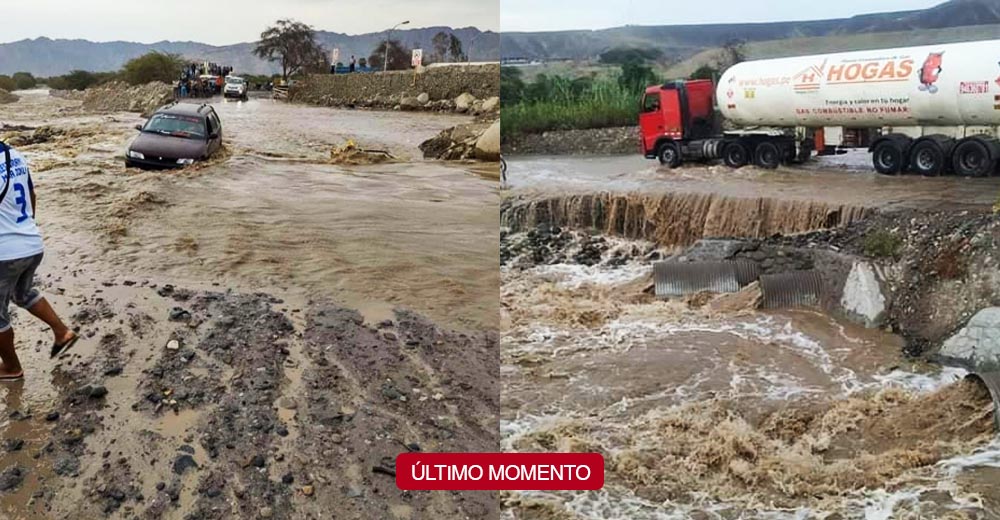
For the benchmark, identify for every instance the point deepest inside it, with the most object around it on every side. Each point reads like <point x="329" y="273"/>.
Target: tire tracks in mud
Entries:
<point x="375" y="390"/>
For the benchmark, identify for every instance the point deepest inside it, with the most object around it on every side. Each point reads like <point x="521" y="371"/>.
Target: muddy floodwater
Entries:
<point x="264" y="332"/>
<point x="844" y="179"/>
<point x="706" y="407"/>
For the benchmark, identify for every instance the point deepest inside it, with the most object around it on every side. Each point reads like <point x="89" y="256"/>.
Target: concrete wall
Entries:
<point x="386" y="89"/>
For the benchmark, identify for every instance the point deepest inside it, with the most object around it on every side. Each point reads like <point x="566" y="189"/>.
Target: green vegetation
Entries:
<point x="20" y="81"/>
<point x="24" y="80"/>
<point x="78" y="80"/>
<point x="882" y="244"/>
<point x="622" y="55"/>
<point x="153" y="66"/>
<point x="561" y="103"/>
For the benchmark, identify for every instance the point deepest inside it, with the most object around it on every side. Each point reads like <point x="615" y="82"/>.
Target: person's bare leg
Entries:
<point x="43" y="311"/>
<point x="11" y="365"/>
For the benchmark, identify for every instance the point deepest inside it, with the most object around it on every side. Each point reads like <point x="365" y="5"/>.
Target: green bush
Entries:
<point x="561" y="104"/>
<point x="7" y="83"/>
<point x="153" y="66"/>
<point x="882" y="244"/>
<point x="79" y="80"/>
<point x="24" y="80"/>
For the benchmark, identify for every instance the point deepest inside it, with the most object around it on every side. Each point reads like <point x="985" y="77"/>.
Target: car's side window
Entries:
<point x="209" y="125"/>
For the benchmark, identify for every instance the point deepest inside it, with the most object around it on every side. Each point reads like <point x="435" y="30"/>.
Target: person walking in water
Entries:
<point x="20" y="254"/>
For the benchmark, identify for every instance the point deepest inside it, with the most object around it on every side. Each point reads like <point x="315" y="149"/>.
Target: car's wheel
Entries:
<point x="927" y="158"/>
<point x="887" y="158"/>
<point x="972" y="159"/>
<point x="767" y="155"/>
<point x="735" y="155"/>
<point x="669" y="155"/>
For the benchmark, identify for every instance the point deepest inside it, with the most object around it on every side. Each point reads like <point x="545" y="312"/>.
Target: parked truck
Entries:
<point x="930" y="110"/>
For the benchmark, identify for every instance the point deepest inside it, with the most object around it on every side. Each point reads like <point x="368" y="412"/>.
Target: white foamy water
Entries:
<point x="573" y="276"/>
<point x="756" y="377"/>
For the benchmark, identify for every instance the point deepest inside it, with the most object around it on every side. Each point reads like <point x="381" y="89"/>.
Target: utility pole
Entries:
<point x="388" y="35"/>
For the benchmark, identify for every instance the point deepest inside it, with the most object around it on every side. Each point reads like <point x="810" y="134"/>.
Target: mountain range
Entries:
<point x="682" y="41"/>
<point x="45" y="57"/>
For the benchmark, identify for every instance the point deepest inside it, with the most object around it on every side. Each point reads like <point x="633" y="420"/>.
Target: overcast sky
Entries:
<point x="223" y="22"/>
<point x="547" y="15"/>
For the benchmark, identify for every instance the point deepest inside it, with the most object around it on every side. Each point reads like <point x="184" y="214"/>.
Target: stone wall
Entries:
<point x="389" y="89"/>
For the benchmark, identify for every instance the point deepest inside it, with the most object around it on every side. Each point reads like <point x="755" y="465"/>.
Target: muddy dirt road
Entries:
<point x="833" y="180"/>
<point x="704" y="408"/>
<point x="264" y="332"/>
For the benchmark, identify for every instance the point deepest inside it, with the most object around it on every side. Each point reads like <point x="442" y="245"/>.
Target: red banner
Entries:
<point x="499" y="471"/>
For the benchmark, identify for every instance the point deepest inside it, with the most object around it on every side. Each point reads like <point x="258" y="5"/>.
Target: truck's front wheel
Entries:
<point x="887" y="158"/>
<point x="669" y="155"/>
<point x="767" y="155"/>
<point x="735" y="155"/>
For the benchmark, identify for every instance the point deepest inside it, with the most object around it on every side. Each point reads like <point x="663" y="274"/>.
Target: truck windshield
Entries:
<point x="177" y="126"/>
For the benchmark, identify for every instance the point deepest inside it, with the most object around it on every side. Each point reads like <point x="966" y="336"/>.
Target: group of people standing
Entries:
<point x="195" y="83"/>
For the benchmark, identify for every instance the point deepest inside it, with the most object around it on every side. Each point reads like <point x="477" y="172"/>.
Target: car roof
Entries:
<point x="185" y="109"/>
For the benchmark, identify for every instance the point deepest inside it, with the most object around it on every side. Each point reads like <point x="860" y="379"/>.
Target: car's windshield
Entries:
<point x="234" y="81"/>
<point x="175" y="125"/>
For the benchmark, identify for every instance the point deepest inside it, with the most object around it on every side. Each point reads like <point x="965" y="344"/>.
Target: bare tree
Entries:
<point x="294" y="45"/>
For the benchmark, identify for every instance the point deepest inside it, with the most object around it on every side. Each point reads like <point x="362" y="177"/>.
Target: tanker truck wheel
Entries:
<point x="669" y="155"/>
<point x="927" y="158"/>
<point x="888" y="158"/>
<point x="972" y="159"/>
<point x="767" y="155"/>
<point x="735" y="155"/>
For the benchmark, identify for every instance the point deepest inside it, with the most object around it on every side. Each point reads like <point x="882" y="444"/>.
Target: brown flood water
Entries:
<point x="269" y="215"/>
<point x="715" y="411"/>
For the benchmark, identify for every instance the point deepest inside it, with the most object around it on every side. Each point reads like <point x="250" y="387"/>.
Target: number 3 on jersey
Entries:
<point x="22" y="201"/>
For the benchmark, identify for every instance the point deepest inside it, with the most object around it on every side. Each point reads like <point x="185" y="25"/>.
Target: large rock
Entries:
<point x="491" y="105"/>
<point x="862" y="297"/>
<point x="423" y="98"/>
<point x="464" y="102"/>
<point x="409" y="103"/>
<point x="488" y="145"/>
<point x="978" y="343"/>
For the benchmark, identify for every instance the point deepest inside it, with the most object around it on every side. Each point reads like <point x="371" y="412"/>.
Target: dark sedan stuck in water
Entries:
<point x="176" y="135"/>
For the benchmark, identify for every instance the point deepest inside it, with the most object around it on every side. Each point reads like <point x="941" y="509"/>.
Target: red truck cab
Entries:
<point x="675" y="111"/>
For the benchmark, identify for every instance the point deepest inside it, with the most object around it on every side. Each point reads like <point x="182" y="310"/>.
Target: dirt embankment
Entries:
<point x="118" y="96"/>
<point x="594" y="141"/>
<point x="445" y="88"/>
<point x="940" y="268"/>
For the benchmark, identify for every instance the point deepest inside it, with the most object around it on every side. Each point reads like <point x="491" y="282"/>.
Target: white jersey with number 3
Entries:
<point x="19" y="236"/>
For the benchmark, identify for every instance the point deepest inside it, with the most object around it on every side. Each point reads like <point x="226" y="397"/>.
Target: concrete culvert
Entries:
<point x="991" y="382"/>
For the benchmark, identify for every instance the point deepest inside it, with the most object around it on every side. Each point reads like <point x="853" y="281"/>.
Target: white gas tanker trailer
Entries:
<point x="931" y="110"/>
